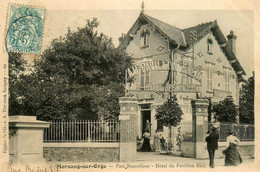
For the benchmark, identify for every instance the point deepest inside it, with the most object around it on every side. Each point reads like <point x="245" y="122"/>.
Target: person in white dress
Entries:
<point x="156" y="141"/>
<point x="232" y="156"/>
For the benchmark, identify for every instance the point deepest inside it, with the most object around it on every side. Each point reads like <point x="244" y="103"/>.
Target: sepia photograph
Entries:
<point x="134" y="85"/>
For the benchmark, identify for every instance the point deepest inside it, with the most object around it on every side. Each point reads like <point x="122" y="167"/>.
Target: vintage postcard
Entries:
<point x="129" y="85"/>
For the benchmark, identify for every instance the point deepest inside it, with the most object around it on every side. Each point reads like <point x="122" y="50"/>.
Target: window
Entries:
<point x="209" y="46"/>
<point x="187" y="73"/>
<point x="144" y="79"/>
<point x="145" y="106"/>
<point x="159" y="125"/>
<point x="209" y="79"/>
<point x="174" y="77"/>
<point x="227" y="81"/>
<point x="145" y="38"/>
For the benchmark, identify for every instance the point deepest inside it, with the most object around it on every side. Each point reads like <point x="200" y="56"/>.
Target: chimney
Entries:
<point x="232" y="41"/>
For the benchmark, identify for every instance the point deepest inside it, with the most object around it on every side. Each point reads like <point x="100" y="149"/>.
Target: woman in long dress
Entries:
<point x="146" y="144"/>
<point x="156" y="140"/>
<point x="148" y="126"/>
<point x="232" y="156"/>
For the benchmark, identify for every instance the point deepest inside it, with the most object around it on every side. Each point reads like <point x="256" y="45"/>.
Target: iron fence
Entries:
<point x="245" y="132"/>
<point x="82" y="131"/>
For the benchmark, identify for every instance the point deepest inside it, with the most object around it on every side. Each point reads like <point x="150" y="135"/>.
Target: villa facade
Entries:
<point x="189" y="63"/>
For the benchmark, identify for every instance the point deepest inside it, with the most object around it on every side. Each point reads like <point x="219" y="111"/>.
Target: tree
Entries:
<point x="16" y="69"/>
<point x="170" y="113"/>
<point x="246" y="101"/>
<point x="225" y="111"/>
<point x="16" y="66"/>
<point x="79" y="76"/>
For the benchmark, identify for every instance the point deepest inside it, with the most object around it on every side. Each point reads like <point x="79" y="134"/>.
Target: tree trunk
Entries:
<point x="171" y="142"/>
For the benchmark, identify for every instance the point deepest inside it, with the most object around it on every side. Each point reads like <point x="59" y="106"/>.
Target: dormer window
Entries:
<point x="209" y="46"/>
<point x="145" y="38"/>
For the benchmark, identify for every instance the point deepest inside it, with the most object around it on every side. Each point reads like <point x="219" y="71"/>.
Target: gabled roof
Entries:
<point x="184" y="37"/>
<point x="174" y="33"/>
<point x="198" y="31"/>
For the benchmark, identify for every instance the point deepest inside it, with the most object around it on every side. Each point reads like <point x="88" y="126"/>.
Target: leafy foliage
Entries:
<point x="16" y="68"/>
<point x="246" y="101"/>
<point x="80" y="76"/>
<point x="225" y="111"/>
<point x="170" y="113"/>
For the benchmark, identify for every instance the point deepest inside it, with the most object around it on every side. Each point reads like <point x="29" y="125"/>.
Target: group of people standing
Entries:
<point x="232" y="156"/>
<point x="158" y="140"/>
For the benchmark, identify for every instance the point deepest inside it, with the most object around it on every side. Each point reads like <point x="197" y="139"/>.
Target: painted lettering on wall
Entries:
<point x="186" y="70"/>
<point x="148" y="66"/>
<point x="150" y="87"/>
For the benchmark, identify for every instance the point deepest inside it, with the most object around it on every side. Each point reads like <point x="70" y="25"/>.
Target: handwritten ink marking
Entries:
<point x="34" y="169"/>
<point x="13" y="170"/>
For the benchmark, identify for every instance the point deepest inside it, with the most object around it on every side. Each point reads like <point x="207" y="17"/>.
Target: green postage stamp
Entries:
<point x="25" y="29"/>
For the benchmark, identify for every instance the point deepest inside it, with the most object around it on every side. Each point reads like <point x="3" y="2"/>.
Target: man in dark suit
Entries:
<point x="212" y="145"/>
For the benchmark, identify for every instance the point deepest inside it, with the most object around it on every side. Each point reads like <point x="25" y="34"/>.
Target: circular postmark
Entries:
<point x="24" y="33"/>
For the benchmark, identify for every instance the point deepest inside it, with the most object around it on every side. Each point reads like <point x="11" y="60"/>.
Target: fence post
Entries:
<point x="128" y="128"/>
<point x="26" y="139"/>
<point x="199" y="126"/>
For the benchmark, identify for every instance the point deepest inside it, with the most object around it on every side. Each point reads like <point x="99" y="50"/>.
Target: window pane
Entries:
<point x="142" y="81"/>
<point x="159" y="125"/>
<point x="175" y="77"/>
<point x="142" y="72"/>
<point x="209" y="78"/>
<point x="144" y="39"/>
<point x="145" y="106"/>
<point x="147" y="79"/>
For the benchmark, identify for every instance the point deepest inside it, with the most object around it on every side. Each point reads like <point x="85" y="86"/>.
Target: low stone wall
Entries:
<point x="187" y="149"/>
<point x="81" y="152"/>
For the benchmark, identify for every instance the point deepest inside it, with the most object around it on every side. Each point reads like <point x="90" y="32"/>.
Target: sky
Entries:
<point x="115" y="22"/>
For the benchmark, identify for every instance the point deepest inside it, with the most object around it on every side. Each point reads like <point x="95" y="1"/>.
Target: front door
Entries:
<point x="146" y="120"/>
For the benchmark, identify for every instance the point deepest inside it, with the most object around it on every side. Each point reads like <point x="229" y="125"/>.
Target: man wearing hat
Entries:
<point x="212" y="145"/>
